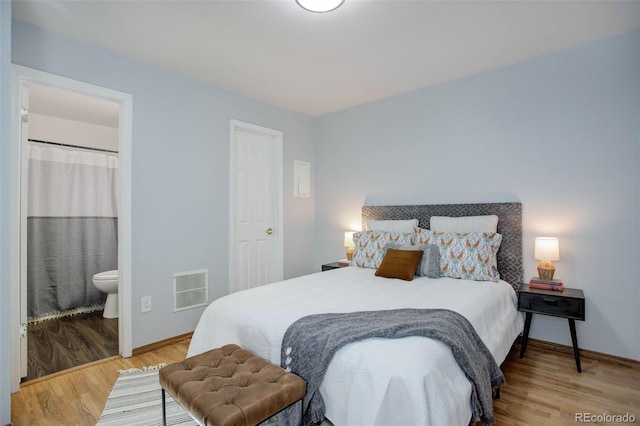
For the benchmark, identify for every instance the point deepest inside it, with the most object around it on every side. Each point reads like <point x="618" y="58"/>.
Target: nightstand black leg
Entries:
<point x="525" y="334"/>
<point x="574" y="340"/>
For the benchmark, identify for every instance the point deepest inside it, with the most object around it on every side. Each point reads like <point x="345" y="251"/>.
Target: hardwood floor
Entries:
<point x="78" y="397"/>
<point x="542" y="389"/>
<point x="63" y="343"/>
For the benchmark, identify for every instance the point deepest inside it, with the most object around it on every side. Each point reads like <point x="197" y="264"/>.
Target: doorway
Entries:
<point x="255" y="216"/>
<point x="71" y="190"/>
<point x="24" y="79"/>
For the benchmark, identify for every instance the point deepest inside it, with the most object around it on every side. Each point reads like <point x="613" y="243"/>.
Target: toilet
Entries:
<point x="107" y="282"/>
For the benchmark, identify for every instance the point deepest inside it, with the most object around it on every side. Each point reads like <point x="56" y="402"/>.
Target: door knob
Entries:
<point x="269" y="231"/>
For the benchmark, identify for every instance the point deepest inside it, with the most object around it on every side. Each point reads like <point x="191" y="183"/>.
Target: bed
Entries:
<point x="412" y="380"/>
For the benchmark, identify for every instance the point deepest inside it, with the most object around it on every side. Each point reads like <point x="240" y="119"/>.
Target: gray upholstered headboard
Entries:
<point x="509" y="225"/>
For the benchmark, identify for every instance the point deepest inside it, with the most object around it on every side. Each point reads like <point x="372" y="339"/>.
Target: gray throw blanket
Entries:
<point x="310" y="343"/>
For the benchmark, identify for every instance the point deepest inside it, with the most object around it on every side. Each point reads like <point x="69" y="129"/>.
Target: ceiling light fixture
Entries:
<point x="320" y="6"/>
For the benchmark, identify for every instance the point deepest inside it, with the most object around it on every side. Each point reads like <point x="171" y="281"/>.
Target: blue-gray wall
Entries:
<point x="180" y="172"/>
<point x="5" y="137"/>
<point x="559" y="133"/>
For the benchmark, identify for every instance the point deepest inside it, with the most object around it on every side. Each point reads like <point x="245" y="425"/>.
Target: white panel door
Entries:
<point x="256" y="230"/>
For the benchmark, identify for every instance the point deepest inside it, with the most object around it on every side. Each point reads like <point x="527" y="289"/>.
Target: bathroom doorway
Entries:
<point x="69" y="128"/>
<point x="72" y="229"/>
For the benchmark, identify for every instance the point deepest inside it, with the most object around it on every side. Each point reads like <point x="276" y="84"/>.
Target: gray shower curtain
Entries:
<point x="72" y="228"/>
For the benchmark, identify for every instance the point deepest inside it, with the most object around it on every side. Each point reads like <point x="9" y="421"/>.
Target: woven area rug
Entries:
<point x="136" y="399"/>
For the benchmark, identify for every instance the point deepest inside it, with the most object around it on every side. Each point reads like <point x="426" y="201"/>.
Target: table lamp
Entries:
<point x="348" y="243"/>
<point x="546" y="250"/>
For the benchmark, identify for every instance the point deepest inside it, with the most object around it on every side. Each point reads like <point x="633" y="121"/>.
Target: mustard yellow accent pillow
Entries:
<point x="399" y="264"/>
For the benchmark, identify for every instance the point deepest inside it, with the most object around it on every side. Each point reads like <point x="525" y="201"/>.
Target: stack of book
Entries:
<point x="552" y="285"/>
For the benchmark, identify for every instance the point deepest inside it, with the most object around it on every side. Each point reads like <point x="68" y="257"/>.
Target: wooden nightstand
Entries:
<point x="564" y="304"/>
<point x="333" y="265"/>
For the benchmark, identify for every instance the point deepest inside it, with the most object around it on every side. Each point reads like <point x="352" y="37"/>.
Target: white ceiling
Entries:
<point x="366" y="50"/>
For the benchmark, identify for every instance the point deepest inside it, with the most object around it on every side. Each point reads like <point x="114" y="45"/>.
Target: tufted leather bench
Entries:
<point x="230" y="386"/>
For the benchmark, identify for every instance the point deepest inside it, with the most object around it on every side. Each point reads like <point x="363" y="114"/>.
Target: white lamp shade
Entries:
<point x="320" y="5"/>
<point x="348" y="239"/>
<point x="546" y="248"/>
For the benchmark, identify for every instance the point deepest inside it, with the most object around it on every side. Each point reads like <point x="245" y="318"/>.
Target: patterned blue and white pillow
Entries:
<point x="466" y="255"/>
<point x="371" y="246"/>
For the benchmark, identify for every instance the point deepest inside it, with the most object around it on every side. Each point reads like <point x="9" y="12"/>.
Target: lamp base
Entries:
<point x="350" y="251"/>
<point x="546" y="270"/>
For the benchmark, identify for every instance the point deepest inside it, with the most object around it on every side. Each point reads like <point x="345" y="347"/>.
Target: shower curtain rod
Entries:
<point x="73" y="146"/>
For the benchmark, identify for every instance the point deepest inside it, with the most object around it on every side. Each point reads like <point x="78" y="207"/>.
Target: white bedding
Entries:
<point x="408" y="381"/>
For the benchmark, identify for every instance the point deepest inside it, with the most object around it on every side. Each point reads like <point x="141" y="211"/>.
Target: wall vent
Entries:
<point x="190" y="289"/>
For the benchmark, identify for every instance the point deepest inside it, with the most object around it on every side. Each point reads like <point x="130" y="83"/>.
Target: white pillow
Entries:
<point x="487" y="223"/>
<point x="402" y="226"/>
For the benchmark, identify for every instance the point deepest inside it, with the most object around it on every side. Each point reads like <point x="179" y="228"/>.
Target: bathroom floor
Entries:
<point x="58" y="344"/>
